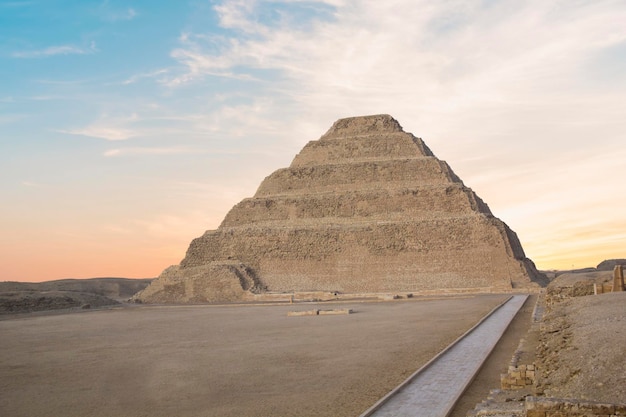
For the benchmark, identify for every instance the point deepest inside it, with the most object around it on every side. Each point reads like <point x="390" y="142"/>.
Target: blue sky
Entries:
<point x="127" y="128"/>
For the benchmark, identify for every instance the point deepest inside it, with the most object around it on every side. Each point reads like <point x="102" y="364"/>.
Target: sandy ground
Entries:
<point x="582" y="352"/>
<point x="223" y="360"/>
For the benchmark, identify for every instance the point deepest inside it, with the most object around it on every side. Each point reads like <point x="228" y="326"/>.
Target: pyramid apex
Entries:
<point x="363" y="125"/>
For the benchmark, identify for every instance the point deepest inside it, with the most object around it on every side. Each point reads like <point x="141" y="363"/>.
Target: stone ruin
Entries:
<point x="618" y="278"/>
<point x="614" y="285"/>
<point x="367" y="208"/>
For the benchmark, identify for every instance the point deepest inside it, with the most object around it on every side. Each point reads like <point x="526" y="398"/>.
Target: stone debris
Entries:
<point x="618" y="279"/>
<point x="316" y="312"/>
<point x="367" y="208"/>
<point x="578" y="366"/>
<point x="502" y="403"/>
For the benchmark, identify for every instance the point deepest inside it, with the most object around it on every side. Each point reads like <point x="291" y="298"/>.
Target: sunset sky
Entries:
<point x="128" y="128"/>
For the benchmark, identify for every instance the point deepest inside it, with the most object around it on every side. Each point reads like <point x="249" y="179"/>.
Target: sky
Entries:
<point x="128" y="128"/>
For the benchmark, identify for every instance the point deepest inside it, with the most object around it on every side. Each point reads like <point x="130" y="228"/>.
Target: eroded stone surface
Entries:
<point x="366" y="208"/>
<point x="212" y="282"/>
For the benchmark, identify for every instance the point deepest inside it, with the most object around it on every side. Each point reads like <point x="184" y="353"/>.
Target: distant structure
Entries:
<point x="610" y="264"/>
<point x="618" y="278"/>
<point x="367" y="208"/>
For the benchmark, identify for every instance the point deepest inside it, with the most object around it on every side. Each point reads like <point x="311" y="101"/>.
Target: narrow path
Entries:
<point x="433" y="390"/>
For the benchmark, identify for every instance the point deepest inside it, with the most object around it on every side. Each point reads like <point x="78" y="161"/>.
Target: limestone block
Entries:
<point x="217" y="281"/>
<point x="618" y="278"/>
<point x="303" y="313"/>
<point x="335" y="312"/>
<point x="367" y="208"/>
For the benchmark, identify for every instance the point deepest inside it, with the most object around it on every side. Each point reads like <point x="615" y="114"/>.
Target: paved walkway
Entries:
<point x="434" y="389"/>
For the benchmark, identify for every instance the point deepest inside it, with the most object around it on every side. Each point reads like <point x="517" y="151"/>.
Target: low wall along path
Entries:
<point x="434" y="389"/>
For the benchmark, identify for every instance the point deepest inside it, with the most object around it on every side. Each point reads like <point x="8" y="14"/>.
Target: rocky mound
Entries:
<point x="582" y="353"/>
<point x="32" y="301"/>
<point x="609" y="264"/>
<point x="229" y="281"/>
<point x="366" y="208"/>
<point x="23" y="297"/>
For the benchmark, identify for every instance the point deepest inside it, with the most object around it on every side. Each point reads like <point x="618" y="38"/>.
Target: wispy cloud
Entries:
<point x="152" y="74"/>
<point x="11" y="118"/>
<point x="103" y="132"/>
<point x="31" y="184"/>
<point x="235" y="121"/>
<point x="110" y="13"/>
<point x="513" y="65"/>
<point x="460" y="74"/>
<point x="57" y="50"/>
<point x="109" y="128"/>
<point x="133" y="151"/>
<point x="460" y="53"/>
<point x="192" y="55"/>
<point x="514" y="82"/>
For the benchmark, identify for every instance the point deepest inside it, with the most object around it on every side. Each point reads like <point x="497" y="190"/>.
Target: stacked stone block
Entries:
<point x="618" y="278"/>
<point x="518" y="377"/>
<point x="556" y="407"/>
<point x="367" y="208"/>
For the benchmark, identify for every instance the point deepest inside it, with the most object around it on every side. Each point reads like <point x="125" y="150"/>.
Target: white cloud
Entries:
<point x="137" y="77"/>
<point x="11" y="118"/>
<point x="516" y="84"/>
<point x="32" y="184"/>
<point x="57" y="50"/>
<point x="103" y="132"/>
<point x="406" y="47"/>
<point x="112" y="14"/>
<point x="148" y="151"/>
<point x="465" y="72"/>
<point x="236" y="14"/>
<point x="109" y="128"/>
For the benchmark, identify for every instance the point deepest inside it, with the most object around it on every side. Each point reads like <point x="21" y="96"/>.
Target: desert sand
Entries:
<point x="582" y="351"/>
<point x="25" y="297"/>
<point x="223" y="360"/>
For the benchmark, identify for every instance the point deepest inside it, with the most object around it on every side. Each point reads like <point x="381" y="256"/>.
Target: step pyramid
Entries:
<point x="367" y="208"/>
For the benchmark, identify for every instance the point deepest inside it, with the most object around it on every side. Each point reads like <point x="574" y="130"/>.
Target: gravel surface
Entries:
<point x="223" y="360"/>
<point x="583" y="348"/>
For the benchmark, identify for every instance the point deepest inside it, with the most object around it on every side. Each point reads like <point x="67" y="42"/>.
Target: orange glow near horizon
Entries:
<point x="147" y="258"/>
<point x="111" y="162"/>
<point x="125" y="261"/>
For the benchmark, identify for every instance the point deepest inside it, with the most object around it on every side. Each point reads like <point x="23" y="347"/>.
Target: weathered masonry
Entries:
<point x="367" y="208"/>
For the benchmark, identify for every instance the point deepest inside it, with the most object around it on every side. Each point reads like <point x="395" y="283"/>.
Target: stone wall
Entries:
<point x="382" y="174"/>
<point x="518" y="377"/>
<point x="557" y="407"/>
<point x="407" y="256"/>
<point x="215" y="281"/>
<point x="373" y="147"/>
<point x="555" y="294"/>
<point x="378" y="204"/>
<point x="366" y="208"/>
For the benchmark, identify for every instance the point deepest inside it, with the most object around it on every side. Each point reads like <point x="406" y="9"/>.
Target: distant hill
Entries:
<point x="609" y="264"/>
<point x="606" y="265"/>
<point x="22" y="297"/>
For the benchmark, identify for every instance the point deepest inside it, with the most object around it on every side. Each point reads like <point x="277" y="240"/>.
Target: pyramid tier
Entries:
<point x="367" y="208"/>
<point x="469" y="251"/>
<point x="396" y="145"/>
<point x="381" y="204"/>
<point x="357" y="176"/>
